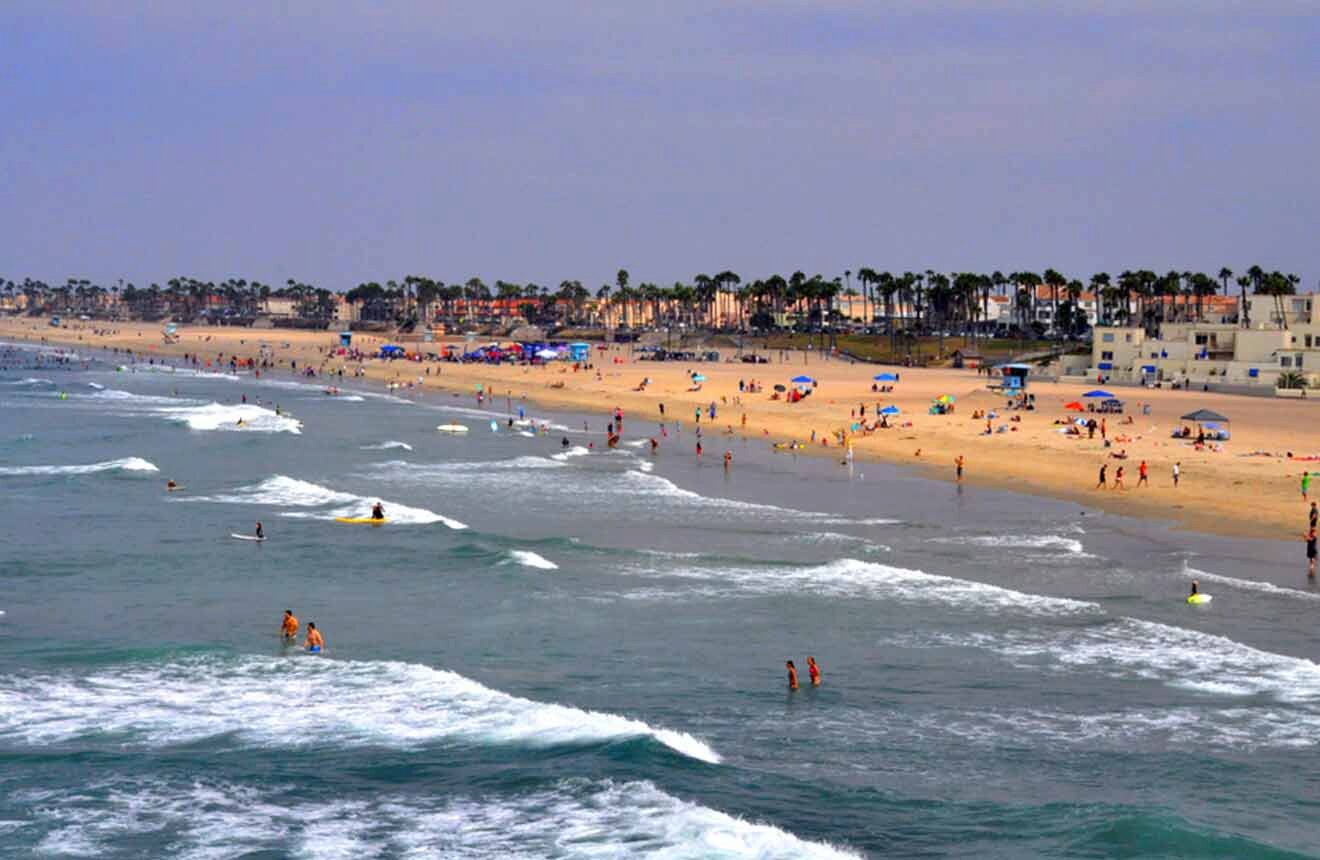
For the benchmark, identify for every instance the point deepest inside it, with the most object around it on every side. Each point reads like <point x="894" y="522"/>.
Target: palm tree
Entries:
<point x="1244" y="310"/>
<point x="1055" y="281"/>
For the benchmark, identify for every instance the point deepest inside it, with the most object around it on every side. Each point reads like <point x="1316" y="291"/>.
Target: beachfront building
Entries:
<point x="1216" y="353"/>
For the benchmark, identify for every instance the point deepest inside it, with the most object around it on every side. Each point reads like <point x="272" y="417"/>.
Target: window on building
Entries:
<point x="1106" y="355"/>
<point x="1285" y="361"/>
<point x="1127" y="338"/>
<point x="1107" y="337"/>
<point x="1308" y="341"/>
<point x="1202" y="339"/>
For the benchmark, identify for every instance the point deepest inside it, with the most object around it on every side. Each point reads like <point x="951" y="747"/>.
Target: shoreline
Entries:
<point x="1028" y="457"/>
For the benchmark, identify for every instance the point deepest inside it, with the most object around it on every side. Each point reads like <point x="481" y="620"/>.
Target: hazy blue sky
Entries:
<point x="341" y="141"/>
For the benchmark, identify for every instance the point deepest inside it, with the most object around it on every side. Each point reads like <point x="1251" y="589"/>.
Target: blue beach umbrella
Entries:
<point x="802" y="380"/>
<point x="885" y="377"/>
<point x="1097" y="393"/>
<point x="889" y="410"/>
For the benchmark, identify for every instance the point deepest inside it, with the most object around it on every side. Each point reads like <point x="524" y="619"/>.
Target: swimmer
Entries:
<point x="313" y="643"/>
<point x="289" y="627"/>
<point x="814" y="671"/>
<point x="170" y="485"/>
<point x="792" y="675"/>
<point x="261" y="533"/>
<point x="564" y="443"/>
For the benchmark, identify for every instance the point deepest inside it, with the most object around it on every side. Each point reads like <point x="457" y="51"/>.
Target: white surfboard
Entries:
<point x="452" y="428"/>
<point x="246" y="537"/>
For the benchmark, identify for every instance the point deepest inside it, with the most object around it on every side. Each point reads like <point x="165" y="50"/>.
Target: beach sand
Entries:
<point x="1231" y="490"/>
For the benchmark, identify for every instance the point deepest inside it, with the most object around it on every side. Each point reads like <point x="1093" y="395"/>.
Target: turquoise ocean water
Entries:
<point x="564" y="652"/>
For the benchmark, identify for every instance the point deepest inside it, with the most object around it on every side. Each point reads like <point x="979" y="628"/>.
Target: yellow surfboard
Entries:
<point x="361" y="521"/>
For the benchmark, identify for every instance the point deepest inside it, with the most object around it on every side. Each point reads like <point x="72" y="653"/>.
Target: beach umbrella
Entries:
<point x="885" y="377"/>
<point x="780" y="388"/>
<point x="697" y="377"/>
<point x="802" y="380"/>
<point x="889" y="410"/>
<point x="547" y="354"/>
<point x="1203" y="415"/>
<point x="1098" y="393"/>
<point x="946" y="398"/>
<point x="1074" y="406"/>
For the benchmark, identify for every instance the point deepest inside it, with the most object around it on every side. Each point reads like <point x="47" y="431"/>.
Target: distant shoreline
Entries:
<point x="1030" y="458"/>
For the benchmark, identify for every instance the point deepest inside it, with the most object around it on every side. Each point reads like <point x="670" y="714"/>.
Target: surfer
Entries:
<point x="654" y="445"/>
<point x="1196" y="588"/>
<point x="378" y="511"/>
<point x="792" y="675"/>
<point x="313" y="643"/>
<point x="170" y="485"/>
<point x="261" y="533"/>
<point x="814" y="671"/>
<point x="564" y="443"/>
<point x="289" y="627"/>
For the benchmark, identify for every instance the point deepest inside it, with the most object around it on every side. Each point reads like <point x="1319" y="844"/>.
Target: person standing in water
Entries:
<point x="289" y="627"/>
<point x="958" y="467"/>
<point x="792" y="675"/>
<point x="814" y="671"/>
<point x="313" y="643"/>
<point x="1309" y="537"/>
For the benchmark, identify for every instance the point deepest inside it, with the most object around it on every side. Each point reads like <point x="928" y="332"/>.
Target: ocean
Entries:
<point x="562" y="651"/>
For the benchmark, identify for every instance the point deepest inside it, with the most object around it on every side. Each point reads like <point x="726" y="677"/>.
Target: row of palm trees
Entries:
<point x="908" y="301"/>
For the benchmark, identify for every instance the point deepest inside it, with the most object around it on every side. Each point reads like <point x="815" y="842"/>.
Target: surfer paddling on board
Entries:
<point x="378" y="511"/>
<point x="170" y="485"/>
<point x="261" y="533"/>
<point x="289" y="627"/>
<point x="313" y="643"/>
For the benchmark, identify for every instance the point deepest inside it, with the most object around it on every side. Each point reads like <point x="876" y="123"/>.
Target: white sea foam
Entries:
<point x="219" y="416"/>
<point x="1069" y="545"/>
<point x="127" y="397"/>
<point x="386" y="446"/>
<point x="337" y="703"/>
<point x="575" y="819"/>
<point x="567" y="453"/>
<point x="281" y="491"/>
<point x="852" y="578"/>
<point x="527" y="558"/>
<point x="1174" y="656"/>
<point x="124" y="464"/>
<point x="1249" y="584"/>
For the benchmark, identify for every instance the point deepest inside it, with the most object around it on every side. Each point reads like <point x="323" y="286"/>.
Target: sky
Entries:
<point x="338" y="142"/>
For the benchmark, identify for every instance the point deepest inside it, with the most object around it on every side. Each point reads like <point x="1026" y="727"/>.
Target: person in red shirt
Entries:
<point x="792" y="675"/>
<point x="814" y="671"/>
<point x="1143" y="476"/>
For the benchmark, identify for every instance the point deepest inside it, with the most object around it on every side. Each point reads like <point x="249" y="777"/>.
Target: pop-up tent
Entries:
<point x="1202" y="416"/>
<point x="885" y="377"/>
<point x="391" y="350"/>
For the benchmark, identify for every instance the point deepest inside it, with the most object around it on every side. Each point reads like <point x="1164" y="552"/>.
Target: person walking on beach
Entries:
<point x="1118" y="479"/>
<point x="814" y="671"/>
<point x="1102" y="429"/>
<point x="1177" y="473"/>
<point x="1306" y="485"/>
<point x="289" y="627"/>
<point x="662" y="410"/>
<point x="1310" y="553"/>
<point x="1315" y="517"/>
<point x="958" y="467"/>
<point x="1143" y="475"/>
<point x="792" y="675"/>
<point x="1103" y="483"/>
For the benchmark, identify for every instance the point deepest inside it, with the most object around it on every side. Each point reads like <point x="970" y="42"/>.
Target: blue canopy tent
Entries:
<point x="580" y="351"/>
<point x="1099" y="393"/>
<point x="885" y="377"/>
<point x="346" y="338"/>
<point x="391" y="350"/>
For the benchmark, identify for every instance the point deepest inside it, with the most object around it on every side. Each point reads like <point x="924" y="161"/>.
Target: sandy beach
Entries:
<point x="1247" y="486"/>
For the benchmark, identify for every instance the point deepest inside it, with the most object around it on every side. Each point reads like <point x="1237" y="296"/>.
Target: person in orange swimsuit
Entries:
<point x="814" y="671"/>
<point x="289" y="626"/>
<point x="313" y="643"/>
